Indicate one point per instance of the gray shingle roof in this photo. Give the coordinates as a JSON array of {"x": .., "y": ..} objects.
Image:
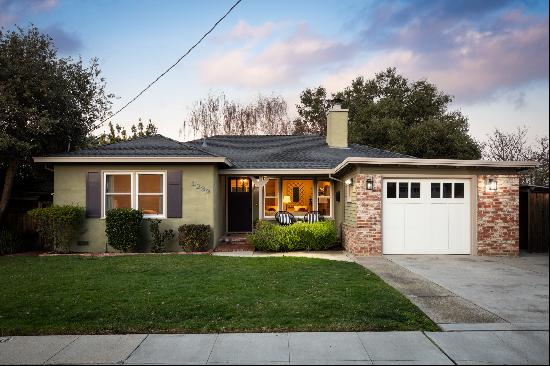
[
  {"x": 149, "y": 146},
  {"x": 286, "y": 152}
]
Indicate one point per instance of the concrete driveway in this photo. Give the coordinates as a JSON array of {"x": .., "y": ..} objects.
[{"x": 514, "y": 289}]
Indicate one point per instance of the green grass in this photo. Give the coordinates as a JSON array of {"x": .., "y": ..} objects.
[{"x": 196, "y": 294}]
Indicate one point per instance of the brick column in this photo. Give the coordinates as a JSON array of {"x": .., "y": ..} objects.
[
  {"x": 364, "y": 237},
  {"x": 498, "y": 216}
]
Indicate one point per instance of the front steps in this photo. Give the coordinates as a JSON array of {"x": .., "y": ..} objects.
[{"x": 234, "y": 243}]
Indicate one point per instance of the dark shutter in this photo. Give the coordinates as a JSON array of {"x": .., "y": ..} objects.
[
  {"x": 93, "y": 194},
  {"x": 173, "y": 199}
]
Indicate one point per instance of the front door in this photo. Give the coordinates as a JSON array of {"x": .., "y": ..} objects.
[{"x": 239, "y": 204}]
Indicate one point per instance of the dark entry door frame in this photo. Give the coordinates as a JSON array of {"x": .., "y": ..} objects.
[{"x": 239, "y": 204}]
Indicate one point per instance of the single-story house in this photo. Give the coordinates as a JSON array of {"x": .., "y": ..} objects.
[{"x": 381, "y": 201}]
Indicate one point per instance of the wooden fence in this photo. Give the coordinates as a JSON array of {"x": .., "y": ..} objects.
[{"x": 534, "y": 219}]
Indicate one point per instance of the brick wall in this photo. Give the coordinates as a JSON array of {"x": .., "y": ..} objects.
[
  {"x": 364, "y": 236},
  {"x": 498, "y": 216}
]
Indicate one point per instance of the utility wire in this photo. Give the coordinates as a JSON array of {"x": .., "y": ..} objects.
[{"x": 173, "y": 65}]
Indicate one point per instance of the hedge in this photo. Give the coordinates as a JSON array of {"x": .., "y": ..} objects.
[
  {"x": 194, "y": 237},
  {"x": 122, "y": 226},
  {"x": 299, "y": 236},
  {"x": 58, "y": 225}
]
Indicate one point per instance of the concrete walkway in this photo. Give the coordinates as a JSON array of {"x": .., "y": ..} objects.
[{"x": 527, "y": 347}]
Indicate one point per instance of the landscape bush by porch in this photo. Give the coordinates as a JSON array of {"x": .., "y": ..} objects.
[
  {"x": 9, "y": 241},
  {"x": 299, "y": 236},
  {"x": 194, "y": 237},
  {"x": 122, "y": 226},
  {"x": 58, "y": 225}
]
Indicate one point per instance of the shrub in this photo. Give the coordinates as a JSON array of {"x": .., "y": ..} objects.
[
  {"x": 194, "y": 237},
  {"x": 299, "y": 236},
  {"x": 58, "y": 226},
  {"x": 122, "y": 226},
  {"x": 9, "y": 241},
  {"x": 157, "y": 237}
]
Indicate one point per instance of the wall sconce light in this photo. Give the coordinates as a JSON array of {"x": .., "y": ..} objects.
[
  {"x": 491, "y": 184},
  {"x": 370, "y": 184},
  {"x": 348, "y": 182}
]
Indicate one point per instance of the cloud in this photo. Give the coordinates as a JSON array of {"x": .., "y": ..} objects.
[
  {"x": 469, "y": 49},
  {"x": 276, "y": 62},
  {"x": 11, "y": 11},
  {"x": 245, "y": 31},
  {"x": 66, "y": 42}
]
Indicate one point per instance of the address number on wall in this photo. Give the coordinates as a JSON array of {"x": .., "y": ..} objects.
[{"x": 200, "y": 187}]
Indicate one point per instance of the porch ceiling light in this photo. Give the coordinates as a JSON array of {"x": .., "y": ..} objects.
[{"x": 491, "y": 184}]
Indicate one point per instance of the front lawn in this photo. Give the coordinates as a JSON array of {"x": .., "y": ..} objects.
[{"x": 185, "y": 293}]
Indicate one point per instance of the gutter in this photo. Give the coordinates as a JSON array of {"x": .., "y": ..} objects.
[
  {"x": 437, "y": 162},
  {"x": 131, "y": 159}
]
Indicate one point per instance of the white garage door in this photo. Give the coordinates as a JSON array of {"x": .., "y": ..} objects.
[{"x": 426, "y": 216}]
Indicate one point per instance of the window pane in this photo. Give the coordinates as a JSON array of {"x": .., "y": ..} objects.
[
  {"x": 415, "y": 190},
  {"x": 323, "y": 205},
  {"x": 271, "y": 206},
  {"x": 324, "y": 189},
  {"x": 117, "y": 201},
  {"x": 240, "y": 184},
  {"x": 118, "y": 183},
  {"x": 403, "y": 190},
  {"x": 391, "y": 191},
  {"x": 297, "y": 196},
  {"x": 459, "y": 190},
  {"x": 436, "y": 190},
  {"x": 447, "y": 190},
  {"x": 271, "y": 188},
  {"x": 150, "y": 204},
  {"x": 150, "y": 183}
]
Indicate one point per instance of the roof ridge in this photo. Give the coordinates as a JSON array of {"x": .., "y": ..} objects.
[{"x": 187, "y": 144}]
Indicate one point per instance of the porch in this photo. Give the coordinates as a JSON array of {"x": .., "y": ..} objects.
[{"x": 251, "y": 198}]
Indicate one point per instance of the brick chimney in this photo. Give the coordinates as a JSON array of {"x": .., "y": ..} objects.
[{"x": 337, "y": 126}]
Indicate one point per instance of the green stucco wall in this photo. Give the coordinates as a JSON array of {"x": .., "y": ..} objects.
[{"x": 198, "y": 207}]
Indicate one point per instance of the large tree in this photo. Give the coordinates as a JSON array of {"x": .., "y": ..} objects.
[
  {"x": 514, "y": 146},
  {"x": 48, "y": 103},
  {"x": 118, "y": 133},
  {"x": 215, "y": 114},
  {"x": 391, "y": 112}
]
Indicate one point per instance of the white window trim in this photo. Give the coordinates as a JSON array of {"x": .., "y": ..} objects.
[
  {"x": 134, "y": 186},
  {"x": 163, "y": 193},
  {"x": 278, "y": 196},
  {"x": 330, "y": 196}
]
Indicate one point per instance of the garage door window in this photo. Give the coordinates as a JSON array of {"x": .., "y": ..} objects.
[
  {"x": 447, "y": 190},
  {"x": 415, "y": 190},
  {"x": 391, "y": 190},
  {"x": 436, "y": 190},
  {"x": 459, "y": 190},
  {"x": 403, "y": 190}
]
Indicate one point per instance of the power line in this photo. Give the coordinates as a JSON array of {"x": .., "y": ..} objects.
[{"x": 173, "y": 65}]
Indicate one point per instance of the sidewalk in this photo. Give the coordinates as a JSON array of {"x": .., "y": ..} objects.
[{"x": 445, "y": 348}]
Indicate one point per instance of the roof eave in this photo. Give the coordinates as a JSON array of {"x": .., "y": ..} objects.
[
  {"x": 132, "y": 159},
  {"x": 437, "y": 162}
]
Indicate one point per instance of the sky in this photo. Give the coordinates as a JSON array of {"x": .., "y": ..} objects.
[{"x": 491, "y": 55}]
